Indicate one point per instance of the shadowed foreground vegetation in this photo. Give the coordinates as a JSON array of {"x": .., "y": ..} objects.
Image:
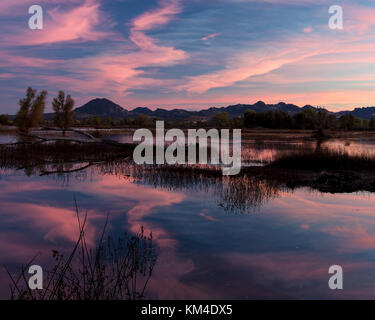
[
  {"x": 333, "y": 171},
  {"x": 324, "y": 159},
  {"x": 116, "y": 269},
  {"x": 59, "y": 156}
]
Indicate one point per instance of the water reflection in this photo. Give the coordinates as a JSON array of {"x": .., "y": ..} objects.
[
  {"x": 283, "y": 249},
  {"x": 234, "y": 194},
  {"x": 263, "y": 150}
]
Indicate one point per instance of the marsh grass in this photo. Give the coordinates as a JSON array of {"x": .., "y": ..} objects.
[
  {"x": 116, "y": 269},
  {"x": 324, "y": 159}
]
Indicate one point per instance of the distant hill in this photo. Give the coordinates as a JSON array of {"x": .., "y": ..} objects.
[
  {"x": 364, "y": 113},
  {"x": 108, "y": 109},
  {"x": 101, "y": 108}
]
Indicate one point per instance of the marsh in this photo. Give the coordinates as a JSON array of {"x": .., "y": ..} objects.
[{"x": 245, "y": 237}]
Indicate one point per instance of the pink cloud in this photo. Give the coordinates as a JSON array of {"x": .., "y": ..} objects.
[
  {"x": 117, "y": 71},
  {"x": 157, "y": 17},
  {"x": 15, "y": 61},
  {"x": 210, "y": 36},
  {"x": 308, "y": 29},
  {"x": 312, "y": 51},
  {"x": 80, "y": 23},
  {"x": 359, "y": 19},
  {"x": 246, "y": 65},
  {"x": 6, "y": 75},
  {"x": 20, "y": 7},
  {"x": 154, "y": 18},
  {"x": 207, "y": 217},
  {"x": 287, "y": 2}
]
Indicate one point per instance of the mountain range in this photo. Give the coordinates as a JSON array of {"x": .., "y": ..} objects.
[{"x": 107, "y": 109}]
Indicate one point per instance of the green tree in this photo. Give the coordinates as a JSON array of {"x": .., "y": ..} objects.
[
  {"x": 31, "y": 110},
  {"x": 220, "y": 120},
  {"x": 321, "y": 119},
  {"x": 143, "y": 120},
  {"x": 5, "y": 120},
  {"x": 64, "y": 113},
  {"x": 282, "y": 119},
  {"x": 312, "y": 118},
  {"x": 347, "y": 122},
  {"x": 238, "y": 122},
  {"x": 305, "y": 119},
  {"x": 372, "y": 123},
  {"x": 111, "y": 122},
  {"x": 96, "y": 121},
  {"x": 250, "y": 119}
]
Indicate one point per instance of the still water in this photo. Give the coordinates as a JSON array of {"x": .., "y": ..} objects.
[
  {"x": 280, "y": 248},
  {"x": 226, "y": 239}
]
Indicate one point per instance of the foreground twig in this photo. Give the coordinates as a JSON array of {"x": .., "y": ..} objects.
[{"x": 113, "y": 270}]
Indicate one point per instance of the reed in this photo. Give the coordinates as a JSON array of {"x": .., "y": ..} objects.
[
  {"x": 324, "y": 159},
  {"x": 115, "y": 269}
]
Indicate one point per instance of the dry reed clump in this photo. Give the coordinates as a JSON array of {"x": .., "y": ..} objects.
[
  {"x": 324, "y": 159},
  {"x": 116, "y": 269}
]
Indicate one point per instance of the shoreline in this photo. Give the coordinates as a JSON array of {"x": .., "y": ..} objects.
[{"x": 256, "y": 133}]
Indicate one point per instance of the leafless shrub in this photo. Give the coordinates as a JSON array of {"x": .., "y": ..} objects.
[{"x": 116, "y": 269}]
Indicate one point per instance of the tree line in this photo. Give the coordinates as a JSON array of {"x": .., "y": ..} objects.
[
  {"x": 32, "y": 107},
  {"x": 305, "y": 119}
]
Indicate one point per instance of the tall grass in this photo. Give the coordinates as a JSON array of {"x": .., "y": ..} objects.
[{"x": 324, "y": 159}]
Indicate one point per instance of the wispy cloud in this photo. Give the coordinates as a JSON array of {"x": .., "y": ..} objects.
[
  {"x": 120, "y": 71},
  {"x": 113, "y": 70},
  {"x": 317, "y": 49},
  {"x": 210, "y": 36},
  {"x": 19, "y": 7},
  {"x": 245, "y": 65},
  {"x": 308, "y": 29},
  {"x": 79, "y": 23},
  {"x": 183, "y": 52}
]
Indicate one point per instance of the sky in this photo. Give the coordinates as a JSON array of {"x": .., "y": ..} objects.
[{"x": 190, "y": 54}]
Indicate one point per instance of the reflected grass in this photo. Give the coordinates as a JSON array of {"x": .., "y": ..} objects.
[{"x": 309, "y": 165}]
